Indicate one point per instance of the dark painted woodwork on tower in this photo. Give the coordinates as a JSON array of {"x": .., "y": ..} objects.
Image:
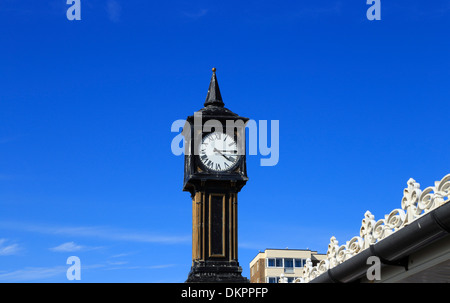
[{"x": 214, "y": 196}]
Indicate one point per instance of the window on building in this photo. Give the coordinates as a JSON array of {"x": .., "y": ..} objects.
[
  {"x": 274, "y": 262},
  {"x": 278, "y": 262},
  {"x": 289, "y": 263},
  {"x": 299, "y": 263},
  {"x": 272, "y": 279}
]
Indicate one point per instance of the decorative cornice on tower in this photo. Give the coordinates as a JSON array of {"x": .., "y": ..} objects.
[{"x": 214, "y": 97}]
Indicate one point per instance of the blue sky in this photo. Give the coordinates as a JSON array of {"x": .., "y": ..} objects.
[{"x": 86, "y": 107}]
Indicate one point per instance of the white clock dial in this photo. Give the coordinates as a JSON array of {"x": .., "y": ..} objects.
[{"x": 218, "y": 152}]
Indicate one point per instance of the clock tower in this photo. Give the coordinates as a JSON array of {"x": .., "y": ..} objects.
[{"x": 214, "y": 173}]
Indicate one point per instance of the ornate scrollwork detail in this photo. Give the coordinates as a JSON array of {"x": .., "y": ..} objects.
[
  {"x": 355, "y": 245},
  {"x": 314, "y": 273},
  {"x": 341, "y": 254},
  {"x": 323, "y": 266},
  {"x": 396, "y": 219},
  {"x": 381, "y": 230},
  {"x": 410, "y": 199},
  {"x": 414, "y": 204},
  {"x": 427, "y": 201},
  {"x": 307, "y": 270},
  {"x": 367, "y": 229},
  {"x": 333, "y": 248}
]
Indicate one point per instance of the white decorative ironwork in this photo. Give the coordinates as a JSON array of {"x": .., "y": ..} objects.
[{"x": 415, "y": 203}]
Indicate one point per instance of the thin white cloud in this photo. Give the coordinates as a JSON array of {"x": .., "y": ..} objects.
[
  {"x": 105, "y": 233},
  {"x": 7, "y": 250},
  {"x": 122, "y": 255},
  {"x": 118, "y": 266},
  {"x": 117, "y": 263},
  {"x": 67, "y": 247},
  {"x": 113, "y": 9},
  {"x": 33, "y": 274},
  {"x": 71, "y": 247},
  {"x": 161, "y": 266},
  {"x": 251, "y": 245},
  {"x": 196, "y": 14}
]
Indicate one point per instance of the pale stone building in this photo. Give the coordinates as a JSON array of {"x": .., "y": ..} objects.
[{"x": 268, "y": 266}]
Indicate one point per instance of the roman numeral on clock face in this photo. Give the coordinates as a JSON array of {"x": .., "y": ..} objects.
[{"x": 218, "y": 152}]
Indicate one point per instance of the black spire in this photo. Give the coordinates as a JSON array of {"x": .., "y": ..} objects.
[{"x": 214, "y": 97}]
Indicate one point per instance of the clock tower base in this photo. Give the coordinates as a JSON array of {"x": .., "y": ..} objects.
[{"x": 216, "y": 272}]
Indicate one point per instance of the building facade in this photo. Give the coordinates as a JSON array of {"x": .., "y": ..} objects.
[{"x": 268, "y": 266}]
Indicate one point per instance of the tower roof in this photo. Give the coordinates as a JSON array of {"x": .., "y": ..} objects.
[
  {"x": 214, "y": 106},
  {"x": 213, "y": 97}
]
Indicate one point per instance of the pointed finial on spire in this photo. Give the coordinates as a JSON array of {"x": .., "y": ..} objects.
[{"x": 213, "y": 97}]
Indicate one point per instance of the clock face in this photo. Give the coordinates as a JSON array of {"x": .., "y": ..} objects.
[{"x": 218, "y": 152}]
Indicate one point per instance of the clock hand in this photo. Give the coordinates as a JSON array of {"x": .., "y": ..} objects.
[
  {"x": 228, "y": 151},
  {"x": 215, "y": 149}
]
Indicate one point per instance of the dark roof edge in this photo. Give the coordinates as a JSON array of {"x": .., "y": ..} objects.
[{"x": 423, "y": 231}]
